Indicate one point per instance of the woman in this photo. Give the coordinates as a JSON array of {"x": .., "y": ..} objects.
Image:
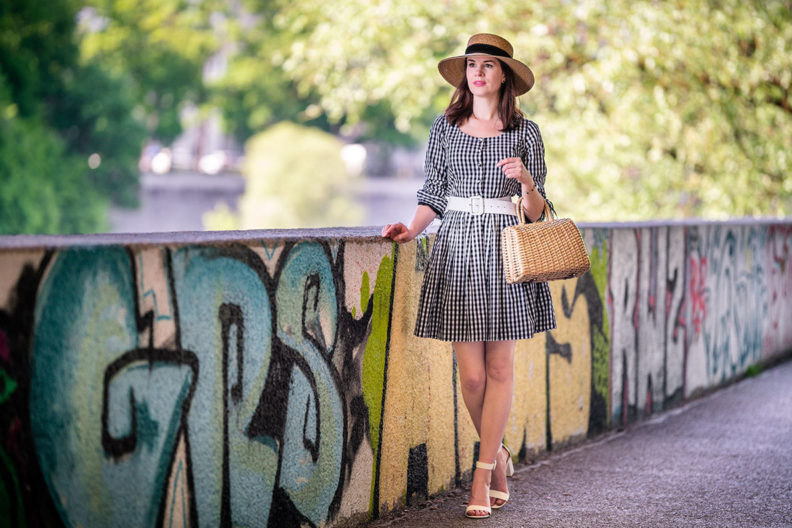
[{"x": 480, "y": 153}]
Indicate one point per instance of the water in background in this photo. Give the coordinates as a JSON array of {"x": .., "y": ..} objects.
[{"x": 177, "y": 201}]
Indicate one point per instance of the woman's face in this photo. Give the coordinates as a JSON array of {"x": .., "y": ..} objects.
[{"x": 484, "y": 75}]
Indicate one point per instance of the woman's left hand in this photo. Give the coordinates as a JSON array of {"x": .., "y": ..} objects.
[{"x": 514, "y": 168}]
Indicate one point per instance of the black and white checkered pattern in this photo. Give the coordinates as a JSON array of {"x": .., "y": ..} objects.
[{"x": 464, "y": 296}]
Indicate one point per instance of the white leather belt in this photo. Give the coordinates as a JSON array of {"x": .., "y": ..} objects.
[{"x": 478, "y": 205}]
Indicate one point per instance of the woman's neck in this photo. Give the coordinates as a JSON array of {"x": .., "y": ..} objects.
[{"x": 485, "y": 109}]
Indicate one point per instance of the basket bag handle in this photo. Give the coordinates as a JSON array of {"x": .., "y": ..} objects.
[{"x": 548, "y": 215}]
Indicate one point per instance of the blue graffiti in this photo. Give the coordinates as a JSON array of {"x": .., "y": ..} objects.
[
  {"x": 247, "y": 383},
  {"x": 95, "y": 441}
]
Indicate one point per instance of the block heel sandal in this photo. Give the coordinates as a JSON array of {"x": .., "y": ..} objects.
[
  {"x": 503, "y": 495},
  {"x": 480, "y": 507}
]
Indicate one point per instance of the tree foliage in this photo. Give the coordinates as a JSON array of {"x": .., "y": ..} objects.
[
  {"x": 95, "y": 116},
  {"x": 295, "y": 178},
  {"x": 44, "y": 188},
  {"x": 46, "y": 184},
  {"x": 159, "y": 47},
  {"x": 254, "y": 93},
  {"x": 258, "y": 92},
  {"x": 37, "y": 50},
  {"x": 648, "y": 109}
]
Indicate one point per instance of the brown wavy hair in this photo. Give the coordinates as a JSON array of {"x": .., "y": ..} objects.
[{"x": 461, "y": 106}]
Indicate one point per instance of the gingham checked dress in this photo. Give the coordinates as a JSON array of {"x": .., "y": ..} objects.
[{"x": 464, "y": 296}]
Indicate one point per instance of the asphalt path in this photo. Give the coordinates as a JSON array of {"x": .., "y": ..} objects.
[{"x": 722, "y": 460}]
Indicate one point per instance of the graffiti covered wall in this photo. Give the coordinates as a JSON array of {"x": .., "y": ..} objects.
[{"x": 276, "y": 381}]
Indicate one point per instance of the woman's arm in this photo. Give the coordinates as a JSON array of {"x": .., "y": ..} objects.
[
  {"x": 536, "y": 171},
  {"x": 421, "y": 220},
  {"x": 432, "y": 199},
  {"x": 533, "y": 203}
]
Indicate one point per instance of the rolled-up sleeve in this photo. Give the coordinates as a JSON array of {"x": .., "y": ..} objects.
[
  {"x": 433, "y": 192},
  {"x": 534, "y": 157}
]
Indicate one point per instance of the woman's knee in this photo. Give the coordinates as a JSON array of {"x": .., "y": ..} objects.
[
  {"x": 473, "y": 382},
  {"x": 500, "y": 371}
]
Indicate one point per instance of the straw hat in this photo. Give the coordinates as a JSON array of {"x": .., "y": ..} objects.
[{"x": 453, "y": 68}]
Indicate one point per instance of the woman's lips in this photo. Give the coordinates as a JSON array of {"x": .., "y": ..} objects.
[{"x": 479, "y": 83}]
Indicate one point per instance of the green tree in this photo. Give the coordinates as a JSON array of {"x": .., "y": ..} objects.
[
  {"x": 95, "y": 116},
  {"x": 295, "y": 178},
  {"x": 45, "y": 179},
  {"x": 648, "y": 109},
  {"x": 257, "y": 92},
  {"x": 159, "y": 47},
  {"x": 44, "y": 188},
  {"x": 57, "y": 112},
  {"x": 37, "y": 50}
]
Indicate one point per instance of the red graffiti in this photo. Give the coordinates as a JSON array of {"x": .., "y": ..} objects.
[{"x": 698, "y": 300}]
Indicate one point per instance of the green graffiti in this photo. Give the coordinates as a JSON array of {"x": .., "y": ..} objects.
[
  {"x": 7, "y": 385},
  {"x": 601, "y": 336},
  {"x": 753, "y": 370},
  {"x": 374, "y": 356},
  {"x": 364, "y": 292}
]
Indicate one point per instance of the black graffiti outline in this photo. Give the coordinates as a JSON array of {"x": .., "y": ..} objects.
[
  {"x": 349, "y": 334},
  {"x": 344, "y": 366},
  {"x": 118, "y": 447},
  {"x": 17, "y": 323},
  {"x": 229, "y": 315},
  {"x": 287, "y": 359}
]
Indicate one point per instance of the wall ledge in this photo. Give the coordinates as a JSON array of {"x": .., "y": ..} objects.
[{"x": 358, "y": 234}]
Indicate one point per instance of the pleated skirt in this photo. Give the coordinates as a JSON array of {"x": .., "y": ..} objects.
[{"x": 464, "y": 295}]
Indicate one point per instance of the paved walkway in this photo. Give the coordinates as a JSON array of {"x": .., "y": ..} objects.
[{"x": 723, "y": 460}]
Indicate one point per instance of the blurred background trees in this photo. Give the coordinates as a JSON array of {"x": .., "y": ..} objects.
[
  {"x": 46, "y": 185},
  {"x": 82, "y": 86},
  {"x": 287, "y": 188},
  {"x": 648, "y": 109}
]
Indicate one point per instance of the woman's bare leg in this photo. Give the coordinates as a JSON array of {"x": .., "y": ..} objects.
[
  {"x": 499, "y": 358},
  {"x": 487, "y": 380},
  {"x": 473, "y": 380}
]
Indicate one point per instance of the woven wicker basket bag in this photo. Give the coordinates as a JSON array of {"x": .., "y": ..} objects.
[{"x": 543, "y": 251}]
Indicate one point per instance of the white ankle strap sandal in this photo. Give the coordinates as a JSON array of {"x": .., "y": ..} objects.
[
  {"x": 480, "y": 507},
  {"x": 502, "y": 495}
]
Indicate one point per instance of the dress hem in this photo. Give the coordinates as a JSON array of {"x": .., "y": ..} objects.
[{"x": 476, "y": 340}]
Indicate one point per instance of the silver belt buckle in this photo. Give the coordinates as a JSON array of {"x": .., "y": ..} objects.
[{"x": 477, "y": 205}]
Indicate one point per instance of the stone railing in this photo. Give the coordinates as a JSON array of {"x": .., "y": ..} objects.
[{"x": 220, "y": 379}]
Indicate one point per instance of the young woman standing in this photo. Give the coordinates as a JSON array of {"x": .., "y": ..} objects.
[{"x": 481, "y": 152}]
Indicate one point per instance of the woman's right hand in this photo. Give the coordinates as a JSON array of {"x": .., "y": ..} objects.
[
  {"x": 397, "y": 232},
  {"x": 401, "y": 233}
]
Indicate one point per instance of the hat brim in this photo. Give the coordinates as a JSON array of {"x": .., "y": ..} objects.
[{"x": 453, "y": 70}]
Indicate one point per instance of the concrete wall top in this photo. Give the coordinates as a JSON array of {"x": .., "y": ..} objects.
[{"x": 360, "y": 234}]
